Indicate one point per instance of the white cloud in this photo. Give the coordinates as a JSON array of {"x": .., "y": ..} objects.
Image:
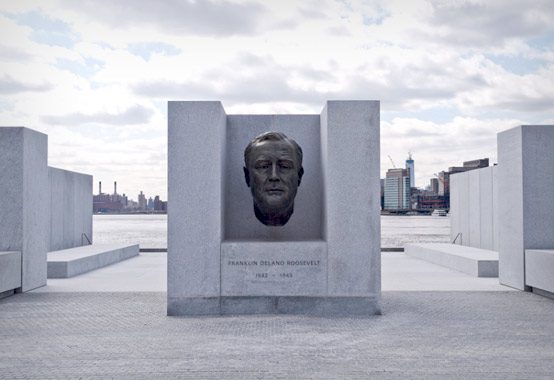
[
  {"x": 447, "y": 68},
  {"x": 131, "y": 116}
]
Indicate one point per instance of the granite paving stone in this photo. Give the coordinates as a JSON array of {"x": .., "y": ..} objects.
[{"x": 437, "y": 334}]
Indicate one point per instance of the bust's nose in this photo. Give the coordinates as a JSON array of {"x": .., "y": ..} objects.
[{"x": 273, "y": 175}]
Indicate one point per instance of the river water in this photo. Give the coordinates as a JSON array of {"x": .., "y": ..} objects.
[{"x": 150, "y": 231}]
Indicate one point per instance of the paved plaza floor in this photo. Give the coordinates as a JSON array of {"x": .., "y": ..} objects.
[{"x": 436, "y": 323}]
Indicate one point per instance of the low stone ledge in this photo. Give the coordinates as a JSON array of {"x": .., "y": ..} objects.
[
  {"x": 473, "y": 261},
  {"x": 74, "y": 261},
  {"x": 317, "y": 306}
]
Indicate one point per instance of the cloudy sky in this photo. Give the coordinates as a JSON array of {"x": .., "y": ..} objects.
[{"x": 96, "y": 75}]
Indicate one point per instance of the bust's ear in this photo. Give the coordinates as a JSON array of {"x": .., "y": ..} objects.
[
  {"x": 246, "y": 176},
  {"x": 300, "y": 174}
]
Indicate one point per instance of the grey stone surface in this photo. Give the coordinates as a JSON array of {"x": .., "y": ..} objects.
[
  {"x": 74, "y": 261},
  {"x": 350, "y": 152},
  {"x": 10, "y": 270},
  {"x": 274, "y": 268},
  {"x": 341, "y": 156},
  {"x": 464, "y": 211},
  {"x": 240, "y": 221},
  {"x": 25, "y": 189},
  {"x": 196, "y": 154},
  {"x": 473, "y": 261},
  {"x": 317, "y": 306},
  {"x": 539, "y": 269},
  {"x": 148, "y": 273},
  {"x": 495, "y": 211},
  {"x": 473, "y": 208},
  {"x": 422, "y": 335},
  {"x": 486, "y": 208},
  {"x": 70, "y": 208},
  {"x": 455, "y": 209},
  {"x": 525, "y": 207}
]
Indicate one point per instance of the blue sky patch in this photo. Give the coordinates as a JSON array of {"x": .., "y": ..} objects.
[
  {"x": 46, "y": 30},
  {"x": 516, "y": 64},
  {"x": 543, "y": 42},
  {"x": 84, "y": 69},
  {"x": 146, "y": 49}
]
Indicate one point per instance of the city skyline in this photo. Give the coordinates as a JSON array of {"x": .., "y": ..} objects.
[{"x": 96, "y": 76}]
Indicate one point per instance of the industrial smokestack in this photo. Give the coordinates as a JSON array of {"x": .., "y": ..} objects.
[
  {"x": 99, "y": 187},
  {"x": 115, "y": 187}
]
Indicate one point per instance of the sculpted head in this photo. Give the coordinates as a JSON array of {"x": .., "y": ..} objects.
[{"x": 273, "y": 171}]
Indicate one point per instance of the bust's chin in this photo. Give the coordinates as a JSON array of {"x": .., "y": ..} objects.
[{"x": 273, "y": 217}]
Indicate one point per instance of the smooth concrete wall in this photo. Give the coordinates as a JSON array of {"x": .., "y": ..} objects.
[
  {"x": 525, "y": 191},
  {"x": 25, "y": 189},
  {"x": 70, "y": 208},
  {"x": 473, "y": 208}
]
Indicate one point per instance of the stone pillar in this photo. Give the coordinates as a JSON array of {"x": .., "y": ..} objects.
[
  {"x": 525, "y": 190},
  {"x": 25, "y": 190},
  {"x": 351, "y": 166},
  {"x": 196, "y": 149}
]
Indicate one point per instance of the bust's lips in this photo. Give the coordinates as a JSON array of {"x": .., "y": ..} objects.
[{"x": 275, "y": 191}]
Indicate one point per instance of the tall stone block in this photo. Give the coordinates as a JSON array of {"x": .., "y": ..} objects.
[
  {"x": 196, "y": 149},
  {"x": 473, "y": 211},
  {"x": 525, "y": 206},
  {"x": 25, "y": 190},
  {"x": 350, "y": 155},
  {"x": 70, "y": 208}
]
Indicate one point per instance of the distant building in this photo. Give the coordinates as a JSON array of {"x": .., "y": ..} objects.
[
  {"x": 410, "y": 166},
  {"x": 397, "y": 189},
  {"x": 108, "y": 202},
  {"x": 159, "y": 205},
  {"x": 142, "y": 201},
  {"x": 476, "y": 164},
  {"x": 432, "y": 202},
  {"x": 444, "y": 176},
  {"x": 434, "y": 186}
]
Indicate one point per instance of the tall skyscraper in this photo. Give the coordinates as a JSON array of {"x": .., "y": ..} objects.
[
  {"x": 410, "y": 167},
  {"x": 142, "y": 201},
  {"x": 397, "y": 189}
]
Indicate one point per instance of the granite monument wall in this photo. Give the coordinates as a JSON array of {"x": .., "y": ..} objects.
[
  {"x": 24, "y": 216},
  {"x": 324, "y": 260},
  {"x": 525, "y": 202},
  {"x": 70, "y": 206},
  {"x": 474, "y": 208}
]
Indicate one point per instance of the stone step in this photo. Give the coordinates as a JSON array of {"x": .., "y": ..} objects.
[
  {"x": 539, "y": 269},
  {"x": 74, "y": 261},
  {"x": 10, "y": 270},
  {"x": 473, "y": 261}
]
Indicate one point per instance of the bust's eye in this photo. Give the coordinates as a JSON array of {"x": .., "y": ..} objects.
[
  {"x": 262, "y": 165},
  {"x": 285, "y": 165}
]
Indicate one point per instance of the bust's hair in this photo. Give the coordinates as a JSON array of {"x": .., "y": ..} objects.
[{"x": 273, "y": 136}]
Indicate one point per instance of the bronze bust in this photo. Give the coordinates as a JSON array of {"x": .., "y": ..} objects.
[{"x": 273, "y": 171}]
